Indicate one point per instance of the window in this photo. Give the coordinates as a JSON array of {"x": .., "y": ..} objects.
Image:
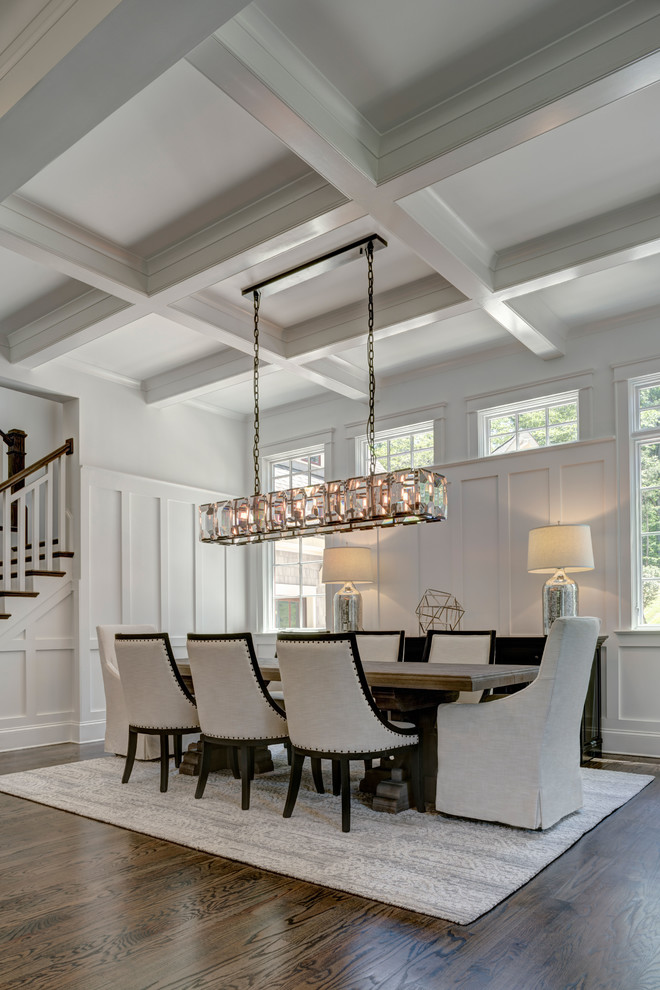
[
  {"x": 646, "y": 499},
  {"x": 529, "y": 425},
  {"x": 295, "y": 593},
  {"x": 397, "y": 450}
]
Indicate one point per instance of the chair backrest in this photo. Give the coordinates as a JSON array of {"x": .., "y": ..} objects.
[
  {"x": 447, "y": 646},
  {"x": 329, "y": 705},
  {"x": 106, "y": 640},
  {"x": 155, "y": 694},
  {"x": 232, "y": 698},
  {"x": 377, "y": 645},
  {"x": 557, "y": 695}
]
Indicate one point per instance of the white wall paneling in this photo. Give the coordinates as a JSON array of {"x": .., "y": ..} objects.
[{"x": 143, "y": 562}]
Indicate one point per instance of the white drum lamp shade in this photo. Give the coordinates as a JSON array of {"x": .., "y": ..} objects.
[
  {"x": 347, "y": 566},
  {"x": 558, "y": 550}
]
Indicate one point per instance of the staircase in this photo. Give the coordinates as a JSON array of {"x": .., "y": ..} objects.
[{"x": 34, "y": 540}]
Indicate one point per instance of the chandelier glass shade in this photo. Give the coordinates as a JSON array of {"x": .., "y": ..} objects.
[{"x": 390, "y": 498}]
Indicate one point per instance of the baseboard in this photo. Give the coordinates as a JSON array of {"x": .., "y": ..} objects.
[{"x": 631, "y": 742}]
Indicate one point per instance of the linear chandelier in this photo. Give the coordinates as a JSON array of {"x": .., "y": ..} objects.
[{"x": 389, "y": 498}]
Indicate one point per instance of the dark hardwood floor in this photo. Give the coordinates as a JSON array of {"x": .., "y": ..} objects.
[{"x": 88, "y": 906}]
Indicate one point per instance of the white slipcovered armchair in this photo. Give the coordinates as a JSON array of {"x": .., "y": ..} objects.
[
  {"x": 517, "y": 760},
  {"x": 116, "y": 717}
]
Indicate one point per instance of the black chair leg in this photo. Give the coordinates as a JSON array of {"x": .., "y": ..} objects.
[
  {"x": 368, "y": 764},
  {"x": 204, "y": 765},
  {"x": 251, "y": 761},
  {"x": 164, "y": 761},
  {"x": 130, "y": 755},
  {"x": 336, "y": 778},
  {"x": 244, "y": 762},
  {"x": 345, "y": 796},
  {"x": 233, "y": 756},
  {"x": 317, "y": 775},
  {"x": 287, "y": 746},
  {"x": 178, "y": 750},
  {"x": 294, "y": 783}
]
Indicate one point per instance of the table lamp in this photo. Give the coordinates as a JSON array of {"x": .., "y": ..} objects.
[
  {"x": 346, "y": 566},
  {"x": 556, "y": 550}
]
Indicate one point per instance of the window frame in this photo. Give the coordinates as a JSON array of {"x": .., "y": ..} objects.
[
  {"x": 409, "y": 430},
  {"x": 543, "y": 402},
  {"x": 639, "y": 437},
  {"x": 268, "y": 549}
]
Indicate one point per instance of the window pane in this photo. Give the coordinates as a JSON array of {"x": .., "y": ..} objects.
[
  {"x": 503, "y": 424},
  {"x": 380, "y": 449},
  {"x": 500, "y": 445},
  {"x": 651, "y": 602},
  {"x": 528, "y": 420},
  {"x": 650, "y": 464},
  {"x": 649, "y": 396},
  {"x": 649, "y": 419},
  {"x": 423, "y": 440},
  {"x": 537, "y": 438},
  {"x": 562, "y": 414},
  {"x": 563, "y": 434},
  {"x": 399, "y": 445},
  {"x": 422, "y": 458},
  {"x": 400, "y": 462}
]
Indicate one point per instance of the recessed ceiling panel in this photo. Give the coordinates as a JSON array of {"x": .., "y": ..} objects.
[
  {"x": 169, "y": 162},
  {"x": 28, "y": 290},
  {"x": 275, "y": 389},
  {"x": 393, "y": 60},
  {"x": 394, "y": 266},
  {"x": 434, "y": 344},
  {"x": 149, "y": 346},
  {"x": 608, "y": 294},
  {"x": 596, "y": 163}
]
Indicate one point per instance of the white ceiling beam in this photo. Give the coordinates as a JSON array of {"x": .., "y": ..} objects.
[
  {"x": 129, "y": 48},
  {"x": 197, "y": 378},
  {"x": 239, "y": 81}
]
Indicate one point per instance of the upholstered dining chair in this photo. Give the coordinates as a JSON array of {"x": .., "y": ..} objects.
[
  {"x": 235, "y": 709},
  {"x": 158, "y": 703},
  {"x": 517, "y": 760},
  {"x": 386, "y": 645},
  {"x": 116, "y": 717},
  {"x": 332, "y": 715},
  {"x": 450, "y": 646}
]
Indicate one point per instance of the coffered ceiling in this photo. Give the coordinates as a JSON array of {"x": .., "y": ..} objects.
[{"x": 156, "y": 158}]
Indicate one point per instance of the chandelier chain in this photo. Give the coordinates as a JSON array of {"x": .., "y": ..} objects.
[
  {"x": 255, "y": 381},
  {"x": 371, "y": 427}
]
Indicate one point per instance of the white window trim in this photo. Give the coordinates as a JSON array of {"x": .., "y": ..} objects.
[
  {"x": 582, "y": 382},
  {"x": 638, "y": 437},
  {"x": 401, "y": 422},
  {"x": 361, "y": 456},
  {"x": 524, "y": 405}
]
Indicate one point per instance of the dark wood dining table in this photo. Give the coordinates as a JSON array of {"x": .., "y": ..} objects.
[{"x": 413, "y": 690}]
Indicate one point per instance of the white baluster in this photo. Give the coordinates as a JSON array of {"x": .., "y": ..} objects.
[
  {"x": 61, "y": 506},
  {"x": 6, "y": 540},
  {"x": 48, "y": 534}
]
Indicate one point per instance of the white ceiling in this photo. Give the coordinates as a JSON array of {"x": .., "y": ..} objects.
[{"x": 158, "y": 158}]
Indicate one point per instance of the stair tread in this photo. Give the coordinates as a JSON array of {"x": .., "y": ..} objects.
[
  {"x": 19, "y": 594},
  {"x": 35, "y": 573}
]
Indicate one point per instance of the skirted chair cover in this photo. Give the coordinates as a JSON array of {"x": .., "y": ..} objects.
[
  {"x": 235, "y": 709},
  {"x": 447, "y": 646},
  {"x": 116, "y": 717},
  {"x": 517, "y": 760},
  {"x": 331, "y": 713},
  {"x": 157, "y": 700}
]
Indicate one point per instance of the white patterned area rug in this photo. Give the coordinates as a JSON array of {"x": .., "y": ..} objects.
[{"x": 444, "y": 867}]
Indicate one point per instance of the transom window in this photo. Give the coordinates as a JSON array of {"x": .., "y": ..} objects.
[
  {"x": 397, "y": 450},
  {"x": 296, "y": 597},
  {"x": 529, "y": 425}
]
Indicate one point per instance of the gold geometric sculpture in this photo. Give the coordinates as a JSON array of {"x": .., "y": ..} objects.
[{"x": 439, "y": 610}]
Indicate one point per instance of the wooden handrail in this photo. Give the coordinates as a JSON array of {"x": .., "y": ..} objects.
[{"x": 66, "y": 448}]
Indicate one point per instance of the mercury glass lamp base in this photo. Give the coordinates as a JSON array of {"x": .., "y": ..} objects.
[
  {"x": 560, "y": 598},
  {"x": 347, "y": 609}
]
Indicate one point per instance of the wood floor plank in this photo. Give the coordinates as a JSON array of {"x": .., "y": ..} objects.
[{"x": 91, "y": 906}]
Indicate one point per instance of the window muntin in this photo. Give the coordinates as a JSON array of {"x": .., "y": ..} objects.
[
  {"x": 647, "y": 407},
  {"x": 295, "y": 594},
  {"x": 397, "y": 450},
  {"x": 530, "y": 425}
]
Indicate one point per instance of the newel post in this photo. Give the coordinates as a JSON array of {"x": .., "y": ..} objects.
[{"x": 15, "y": 440}]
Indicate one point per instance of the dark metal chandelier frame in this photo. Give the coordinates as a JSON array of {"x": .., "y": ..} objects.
[{"x": 389, "y": 498}]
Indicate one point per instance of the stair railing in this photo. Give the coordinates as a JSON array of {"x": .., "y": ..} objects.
[{"x": 39, "y": 520}]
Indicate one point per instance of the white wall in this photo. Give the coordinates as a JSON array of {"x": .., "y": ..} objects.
[
  {"x": 138, "y": 474},
  {"x": 480, "y": 553}
]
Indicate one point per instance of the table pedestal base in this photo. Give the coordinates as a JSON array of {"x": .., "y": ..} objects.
[{"x": 221, "y": 759}]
